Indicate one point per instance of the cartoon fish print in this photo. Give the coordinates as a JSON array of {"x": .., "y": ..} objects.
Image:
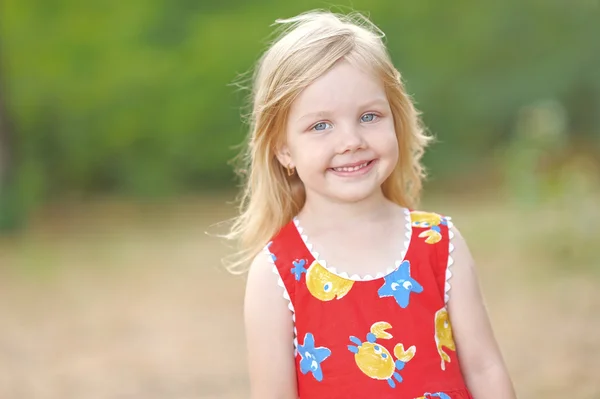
[
  {"x": 431, "y": 222},
  {"x": 399, "y": 284},
  {"x": 443, "y": 335},
  {"x": 325, "y": 285},
  {"x": 311, "y": 357},
  {"x": 375, "y": 361}
]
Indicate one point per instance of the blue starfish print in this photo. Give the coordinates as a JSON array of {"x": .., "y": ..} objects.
[
  {"x": 298, "y": 268},
  {"x": 311, "y": 357},
  {"x": 399, "y": 284}
]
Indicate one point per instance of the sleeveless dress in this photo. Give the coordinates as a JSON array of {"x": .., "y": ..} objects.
[{"x": 387, "y": 336}]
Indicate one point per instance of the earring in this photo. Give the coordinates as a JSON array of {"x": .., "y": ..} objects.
[{"x": 290, "y": 170}]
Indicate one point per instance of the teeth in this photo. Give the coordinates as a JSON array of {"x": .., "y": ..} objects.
[{"x": 351, "y": 169}]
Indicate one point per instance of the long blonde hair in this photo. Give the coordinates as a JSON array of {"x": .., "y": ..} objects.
[{"x": 308, "y": 46}]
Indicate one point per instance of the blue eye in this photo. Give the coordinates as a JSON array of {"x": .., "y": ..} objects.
[
  {"x": 368, "y": 117},
  {"x": 321, "y": 126}
]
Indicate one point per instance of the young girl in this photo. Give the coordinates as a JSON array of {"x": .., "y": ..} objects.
[{"x": 356, "y": 294}]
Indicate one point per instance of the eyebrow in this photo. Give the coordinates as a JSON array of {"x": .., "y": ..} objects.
[{"x": 368, "y": 104}]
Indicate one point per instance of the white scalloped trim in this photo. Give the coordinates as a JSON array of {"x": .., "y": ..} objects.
[
  {"x": 286, "y": 295},
  {"x": 357, "y": 277},
  {"x": 447, "y": 286}
]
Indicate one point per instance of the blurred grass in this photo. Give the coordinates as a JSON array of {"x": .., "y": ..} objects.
[{"x": 116, "y": 299}]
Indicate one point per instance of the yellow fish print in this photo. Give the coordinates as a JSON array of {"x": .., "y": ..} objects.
[
  {"x": 324, "y": 285},
  {"x": 375, "y": 361},
  {"x": 443, "y": 335}
]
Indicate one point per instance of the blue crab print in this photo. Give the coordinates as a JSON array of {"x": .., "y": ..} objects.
[
  {"x": 400, "y": 284},
  {"x": 312, "y": 357},
  {"x": 299, "y": 268}
]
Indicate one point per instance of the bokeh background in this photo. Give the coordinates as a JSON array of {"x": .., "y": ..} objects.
[{"x": 117, "y": 124}]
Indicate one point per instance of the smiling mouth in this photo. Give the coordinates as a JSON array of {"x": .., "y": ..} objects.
[{"x": 352, "y": 168}]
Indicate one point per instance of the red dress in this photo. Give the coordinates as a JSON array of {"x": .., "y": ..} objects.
[{"x": 387, "y": 336}]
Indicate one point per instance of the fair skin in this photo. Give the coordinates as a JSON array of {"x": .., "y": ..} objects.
[{"x": 343, "y": 119}]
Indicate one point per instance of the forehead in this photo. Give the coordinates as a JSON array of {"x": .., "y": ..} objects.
[{"x": 344, "y": 86}]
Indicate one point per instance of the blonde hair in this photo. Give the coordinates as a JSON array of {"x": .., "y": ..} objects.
[{"x": 308, "y": 46}]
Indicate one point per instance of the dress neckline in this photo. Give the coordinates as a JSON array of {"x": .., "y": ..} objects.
[{"x": 357, "y": 277}]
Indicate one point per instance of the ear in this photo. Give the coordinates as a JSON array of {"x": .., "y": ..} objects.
[{"x": 282, "y": 152}]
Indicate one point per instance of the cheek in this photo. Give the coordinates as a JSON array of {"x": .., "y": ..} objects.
[
  {"x": 392, "y": 147},
  {"x": 311, "y": 147},
  {"x": 387, "y": 142},
  {"x": 296, "y": 148},
  {"x": 310, "y": 155}
]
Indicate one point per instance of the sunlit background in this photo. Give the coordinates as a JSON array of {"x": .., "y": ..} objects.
[{"x": 118, "y": 120}]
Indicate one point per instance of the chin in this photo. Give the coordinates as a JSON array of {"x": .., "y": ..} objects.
[
  {"x": 354, "y": 194},
  {"x": 348, "y": 191}
]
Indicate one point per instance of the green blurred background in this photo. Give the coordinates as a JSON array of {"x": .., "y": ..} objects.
[{"x": 117, "y": 124}]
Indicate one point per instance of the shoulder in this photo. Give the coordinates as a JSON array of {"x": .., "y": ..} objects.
[
  {"x": 462, "y": 275},
  {"x": 265, "y": 301},
  {"x": 269, "y": 329},
  {"x": 264, "y": 287},
  {"x": 261, "y": 276},
  {"x": 461, "y": 254}
]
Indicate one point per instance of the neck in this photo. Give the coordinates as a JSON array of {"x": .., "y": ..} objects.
[{"x": 320, "y": 211}]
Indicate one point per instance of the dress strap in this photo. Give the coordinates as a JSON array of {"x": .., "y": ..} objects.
[
  {"x": 290, "y": 259},
  {"x": 434, "y": 235}
]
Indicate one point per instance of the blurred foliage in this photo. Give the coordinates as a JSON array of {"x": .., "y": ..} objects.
[
  {"x": 136, "y": 98},
  {"x": 547, "y": 178}
]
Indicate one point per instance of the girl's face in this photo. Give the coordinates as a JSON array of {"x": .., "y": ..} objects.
[{"x": 340, "y": 135}]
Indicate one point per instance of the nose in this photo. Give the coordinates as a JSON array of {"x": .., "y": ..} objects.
[{"x": 351, "y": 139}]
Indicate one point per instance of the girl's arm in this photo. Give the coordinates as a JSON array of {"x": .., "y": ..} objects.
[
  {"x": 480, "y": 358},
  {"x": 269, "y": 335}
]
